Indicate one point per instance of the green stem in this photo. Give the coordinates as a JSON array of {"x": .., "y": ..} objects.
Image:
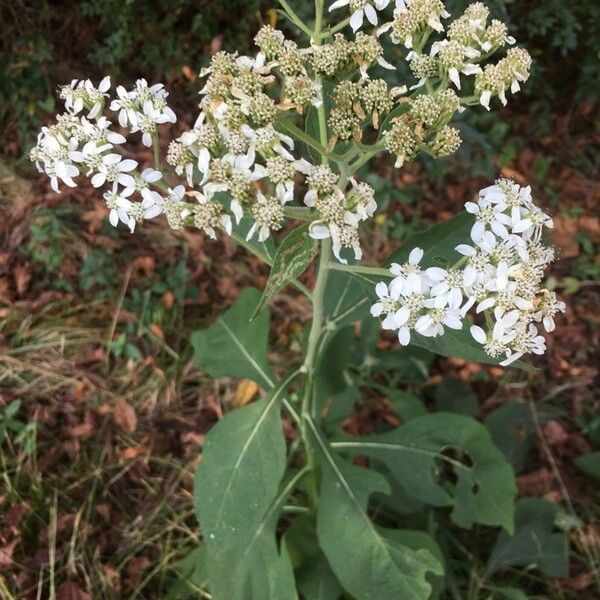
[
  {"x": 365, "y": 158},
  {"x": 298, "y": 212},
  {"x": 291, "y": 13},
  {"x": 377, "y": 271},
  {"x": 156, "y": 151}
]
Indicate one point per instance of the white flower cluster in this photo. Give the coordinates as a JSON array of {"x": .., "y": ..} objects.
[
  {"x": 470, "y": 39},
  {"x": 143, "y": 108},
  {"x": 240, "y": 159},
  {"x": 78, "y": 144},
  {"x": 500, "y": 274}
]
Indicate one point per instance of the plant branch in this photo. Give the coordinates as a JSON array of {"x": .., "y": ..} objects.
[
  {"x": 377, "y": 271},
  {"x": 293, "y": 16}
]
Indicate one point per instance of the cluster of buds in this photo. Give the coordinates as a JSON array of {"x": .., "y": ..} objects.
[
  {"x": 424, "y": 126},
  {"x": 500, "y": 275}
]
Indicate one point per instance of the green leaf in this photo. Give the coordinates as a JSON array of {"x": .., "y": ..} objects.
[
  {"x": 375, "y": 569},
  {"x": 311, "y": 123},
  {"x": 234, "y": 346},
  {"x": 293, "y": 256},
  {"x": 589, "y": 464},
  {"x": 454, "y": 395},
  {"x": 456, "y": 344},
  {"x": 534, "y": 541},
  {"x": 314, "y": 577},
  {"x": 346, "y": 299},
  {"x": 192, "y": 573},
  {"x": 415, "y": 540},
  {"x": 446, "y": 460},
  {"x": 333, "y": 362},
  {"x": 237, "y": 500},
  {"x": 406, "y": 406},
  {"x": 438, "y": 242},
  {"x": 507, "y": 593},
  {"x": 513, "y": 429}
]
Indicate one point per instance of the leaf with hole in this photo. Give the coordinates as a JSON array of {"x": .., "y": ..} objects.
[
  {"x": 235, "y": 346},
  {"x": 445, "y": 459}
]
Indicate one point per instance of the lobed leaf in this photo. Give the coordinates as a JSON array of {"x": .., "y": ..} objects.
[
  {"x": 377, "y": 568},
  {"x": 445, "y": 459},
  {"x": 534, "y": 542}
]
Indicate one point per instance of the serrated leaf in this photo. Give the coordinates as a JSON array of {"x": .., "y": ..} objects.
[
  {"x": 293, "y": 256},
  {"x": 234, "y": 346},
  {"x": 589, "y": 464},
  {"x": 237, "y": 499},
  {"x": 534, "y": 542},
  {"x": 378, "y": 569},
  {"x": 480, "y": 484}
]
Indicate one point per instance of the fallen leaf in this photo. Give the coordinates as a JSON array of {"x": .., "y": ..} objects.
[
  {"x": 124, "y": 416},
  {"x": 563, "y": 235},
  {"x": 246, "y": 390},
  {"x": 6, "y": 553},
  {"x": 168, "y": 299},
  {"x": 537, "y": 483},
  {"x": 157, "y": 331},
  {"x": 71, "y": 591},
  {"x": 22, "y": 276}
]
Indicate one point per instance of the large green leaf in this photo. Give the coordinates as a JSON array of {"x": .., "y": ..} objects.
[
  {"x": 367, "y": 565},
  {"x": 235, "y": 346},
  {"x": 513, "y": 430},
  {"x": 535, "y": 541},
  {"x": 438, "y": 242},
  {"x": 237, "y": 501},
  {"x": 293, "y": 256},
  {"x": 445, "y": 459},
  {"x": 416, "y": 540}
]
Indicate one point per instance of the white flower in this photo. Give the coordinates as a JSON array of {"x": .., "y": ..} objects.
[
  {"x": 446, "y": 283},
  {"x": 439, "y": 313},
  {"x": 79, "y": 94},
  {"x": 488, "y": 215},
  {"x": 115, "y": 170},
  {"x": 119, "y": 205},
  {"x": 409, "y": 275},
  {"x": 387, "y": 303},
  {"x": 361, "y": 9},
  {"x": 152, "y": 202}
]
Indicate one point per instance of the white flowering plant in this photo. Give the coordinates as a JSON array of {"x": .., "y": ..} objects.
[{"x": 277, "y": 146}]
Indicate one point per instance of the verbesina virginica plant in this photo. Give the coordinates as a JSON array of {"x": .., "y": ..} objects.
[{"x": 277, "y": 144}]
